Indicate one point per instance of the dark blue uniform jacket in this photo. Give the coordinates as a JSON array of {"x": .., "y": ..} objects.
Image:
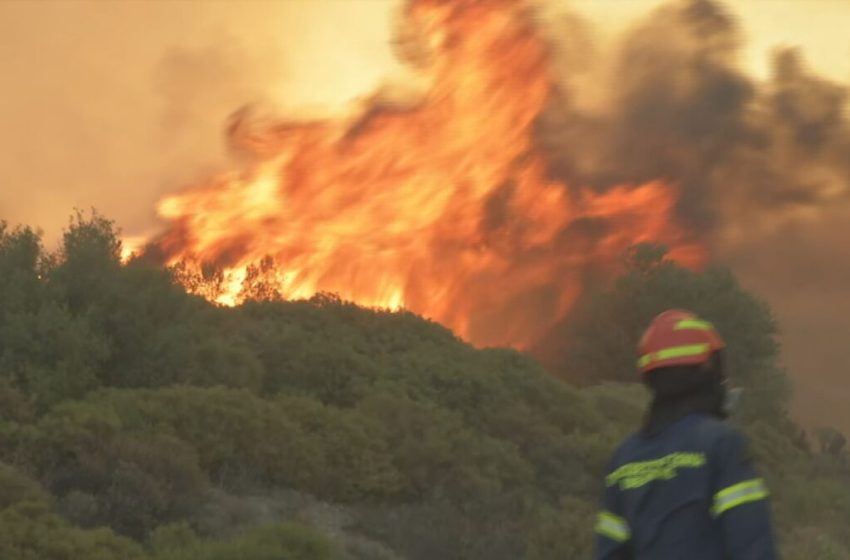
[{"x": 687, "y": 493}]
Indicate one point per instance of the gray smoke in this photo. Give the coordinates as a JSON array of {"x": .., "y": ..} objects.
[
  {"x": 763, "y": 167},
  {"x": 677, "y": 107}
]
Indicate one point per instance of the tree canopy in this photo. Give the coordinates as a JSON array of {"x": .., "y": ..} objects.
[{"x": 138, "y": 421}]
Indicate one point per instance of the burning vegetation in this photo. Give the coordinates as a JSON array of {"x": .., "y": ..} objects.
[{"x": 445, "y": 206}]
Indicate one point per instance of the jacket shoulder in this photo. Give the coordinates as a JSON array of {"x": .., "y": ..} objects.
[
  {"x": 623, "y": 452},
  {"x": 713, "y": 433},
  {"x": 703, "y": 433},
  {"x": 715, "y": 428}
]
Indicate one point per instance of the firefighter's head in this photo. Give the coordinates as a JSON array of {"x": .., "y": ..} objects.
[
  {"x": 681, "y": 356},
  {"x": 677, "y": 338}
]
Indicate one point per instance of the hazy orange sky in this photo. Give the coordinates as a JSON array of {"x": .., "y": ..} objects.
[{"x": 112, "y": 104}]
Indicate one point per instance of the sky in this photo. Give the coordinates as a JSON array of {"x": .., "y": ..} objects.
[
  {"x": 114, "y": 104},
  {"x": 818, "y": 26}
]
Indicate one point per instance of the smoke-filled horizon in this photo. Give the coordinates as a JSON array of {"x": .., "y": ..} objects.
[{"x": 761, "y": 164}]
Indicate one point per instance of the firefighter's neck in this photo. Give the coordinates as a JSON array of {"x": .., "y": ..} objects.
[{"x": 666, "y": 411}]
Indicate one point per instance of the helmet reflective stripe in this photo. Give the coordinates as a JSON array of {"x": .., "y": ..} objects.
[
  {"x": 695, "y": 324},
  {"x": 613, "y": 527},
  {"x": 684, "y": 351},
  {"x": 677, "y": 337},
  {"x": 738, "y": 494}
]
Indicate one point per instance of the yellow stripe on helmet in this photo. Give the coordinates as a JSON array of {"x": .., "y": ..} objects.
[
  {"x": 693, "y": 324},
  {"x": 684, "y": 351}
]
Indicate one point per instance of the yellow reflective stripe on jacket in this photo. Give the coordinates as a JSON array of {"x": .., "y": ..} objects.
[
  {"x": 739, "y": 494},
  {"x": 613, "y": 527},
  {"x": 683, "y": 351},
  {"x": 693, "y": 324},
  {"x": 635, "y": 475}
]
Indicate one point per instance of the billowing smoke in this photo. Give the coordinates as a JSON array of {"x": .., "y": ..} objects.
[
  {"x": 670, "y": 101},
  {"x": 441, "y": 205},
  {"x": 761, "y": 167},
  {"x": 764, "y": 166}
]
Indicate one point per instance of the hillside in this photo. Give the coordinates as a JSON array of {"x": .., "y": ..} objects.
[{"x": 141, "y": 422}]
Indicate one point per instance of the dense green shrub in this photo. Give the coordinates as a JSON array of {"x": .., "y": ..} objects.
[{"x": 140, "y": 422}]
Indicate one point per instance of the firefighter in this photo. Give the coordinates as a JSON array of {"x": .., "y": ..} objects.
[{"x": 683, "y": 487}]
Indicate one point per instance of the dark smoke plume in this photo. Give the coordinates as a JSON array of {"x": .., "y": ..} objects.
[
  {"x": 763, "y": 167},
  {"x": 678, "y": 107}
]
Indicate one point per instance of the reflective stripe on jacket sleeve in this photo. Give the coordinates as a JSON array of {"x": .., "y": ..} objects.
[
  {"x": 739, "y": 494},
  {"x": 613, "y": 527}
]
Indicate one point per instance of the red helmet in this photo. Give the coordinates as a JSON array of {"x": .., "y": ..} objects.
[{"x": 677, "y": 338}]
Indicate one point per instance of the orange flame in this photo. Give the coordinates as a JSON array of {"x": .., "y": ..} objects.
[{"x": 443, "y": 209}]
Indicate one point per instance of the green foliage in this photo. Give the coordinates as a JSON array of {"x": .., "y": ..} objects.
[
  {"x": 607, "y": 326},
  {"x": 15, "y": 487},
  {"x": 28, "y": 531},
  {"x": 831, "y": 442},
  {"x": 46, "y": 352},
  {"x": 88, "y": 260},
  {"x": 20, "y": 267},
  {"x": 275, "y": 542},
  {"x": 140, "y": 422},
  {"x": 810, "y": 542},
  {"x": 563, "y": 532}
]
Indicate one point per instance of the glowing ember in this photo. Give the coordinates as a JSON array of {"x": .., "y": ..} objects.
[{"x": 443, "y": 209}]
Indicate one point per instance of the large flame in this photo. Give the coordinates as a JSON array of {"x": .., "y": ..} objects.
[{"x": 443, "y": 209}]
